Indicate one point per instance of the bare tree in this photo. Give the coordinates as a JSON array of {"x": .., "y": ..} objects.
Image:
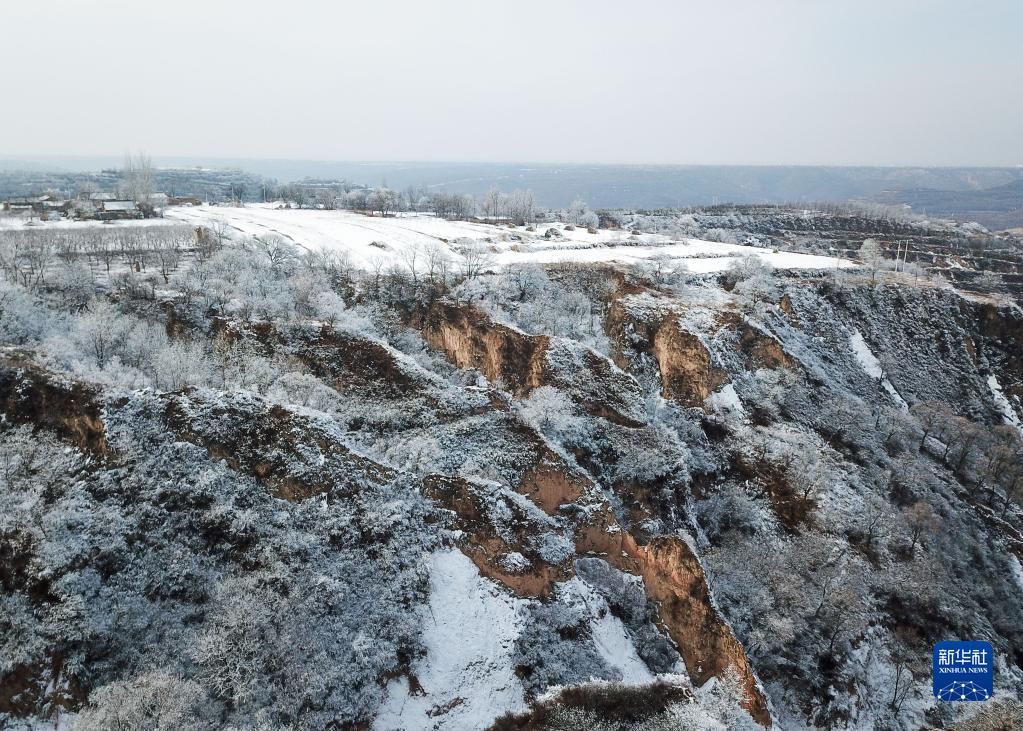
[
  {"x": 277, "y": 251},
  {"x": 476, "y": 259},
  {"x": 932, "y": 416},
  {"x": 872, "y": 256},
  {"x": 920, "y": 519},
  {"x": 168, "y": 256}
]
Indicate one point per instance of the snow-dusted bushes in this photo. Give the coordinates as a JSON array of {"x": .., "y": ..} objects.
[
  {"x": 156, "y": 701},
  {"x": 552, "y": 413},
  {"x": 23, "y": 319},
  {"x": 288, "y": 613},
  {"x": 527, "y": 297}
]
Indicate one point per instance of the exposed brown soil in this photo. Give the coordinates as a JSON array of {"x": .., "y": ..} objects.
[
  {"x": 484, "y": 546},
  {"x": 687, "y": 373},
  {"x": 471, "y": 340},
  {"x": 31, "y": 395},
  {"x": 762, "y": 351},
  {"x": 686, "y": 370}
]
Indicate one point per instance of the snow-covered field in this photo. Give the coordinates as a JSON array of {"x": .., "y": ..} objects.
[
  {"x": 369, "y": 238},
  {"x": 20, "y": 223}
]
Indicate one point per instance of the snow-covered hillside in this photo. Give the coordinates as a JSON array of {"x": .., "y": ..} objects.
[{"x": 245, "y": 487}]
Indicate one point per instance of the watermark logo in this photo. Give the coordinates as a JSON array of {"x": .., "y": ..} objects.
[{"x": 964, "y": 671}]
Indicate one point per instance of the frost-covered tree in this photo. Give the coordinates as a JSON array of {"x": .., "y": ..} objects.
[
  {"x": 476, "y": 259},
  {"x": 872, "y": 256},
  {"x": 101, "y": 332},
  {"x": 553, "y": 413},
  {"x": 153, "y": 701},
  {"x": 179, "y": 364}
]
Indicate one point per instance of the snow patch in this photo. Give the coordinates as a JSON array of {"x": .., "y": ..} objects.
[
  {"x": 1002, "y": 403},
  {"x": 872, "y": 367},
  {"x": 725, "y": 400},
  {"x": 616, "y": 648},
  {"x": 468, "y": 677},
  {"x": 609, "y": 635},
  {"x": 1017, "y": 571}
]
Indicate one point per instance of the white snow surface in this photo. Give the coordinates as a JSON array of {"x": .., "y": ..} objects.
[
  {"x": 725, "y": 400},
  {"x": 20, "y": 223},
  {"x": 1017, "y": 571},
  {"x": 1002, "y": 402},
  {"x": 369, "y": 238},
  {"x": 468, "y": 676},
  {"x": 872, "y": 367},
  {"x": 610, "y": 636}
]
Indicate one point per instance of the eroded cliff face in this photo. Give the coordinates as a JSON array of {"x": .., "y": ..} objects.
[
  {"x": 672, "y": 575},
  {"x": 654, "y": 334},
  {"x": 294, "y": 455},
  {"x": 471, "y": 340},
  {"x": 1003, "y": 327},
  {"x": 298, "y": 456},
  {"x": 687, "y": 373},
  {"x": 520, "y": 362},
  {"x": 675, "y": 582}
]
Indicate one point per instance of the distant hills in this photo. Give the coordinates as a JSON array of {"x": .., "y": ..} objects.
[{"x": 1000, "y": 207}]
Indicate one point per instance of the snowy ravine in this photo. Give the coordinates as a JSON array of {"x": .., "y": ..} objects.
[
  {"x": 872, "y": 367},
  {"x": 467, "y": 677}
]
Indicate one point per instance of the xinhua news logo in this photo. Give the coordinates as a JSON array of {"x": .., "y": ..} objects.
[{"x": 964, "y": 671}]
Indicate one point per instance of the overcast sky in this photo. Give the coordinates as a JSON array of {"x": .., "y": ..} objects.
[{"x": 890, "y": 82}]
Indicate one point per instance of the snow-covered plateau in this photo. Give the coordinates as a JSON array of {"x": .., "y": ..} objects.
[{"x": 367, "y": 238}]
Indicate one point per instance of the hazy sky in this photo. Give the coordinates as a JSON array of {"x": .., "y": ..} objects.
[{"x": 920, "y": 82}]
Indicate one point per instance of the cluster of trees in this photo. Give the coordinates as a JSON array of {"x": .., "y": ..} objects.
[
  {"x": 518, "y": 207},
  {"x": 181, "y": 594},
  {"x": 569, "y": 301},
  {"x": 579, "y": 214},
  {"x": 30, "y": 256},
  {"x": 991, "y": 458}
]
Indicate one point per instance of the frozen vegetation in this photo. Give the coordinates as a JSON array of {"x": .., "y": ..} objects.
[{"x": 307, "y": 469}]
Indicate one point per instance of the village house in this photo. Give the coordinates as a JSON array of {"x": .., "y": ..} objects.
[{"x": 116, "y": 210}]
